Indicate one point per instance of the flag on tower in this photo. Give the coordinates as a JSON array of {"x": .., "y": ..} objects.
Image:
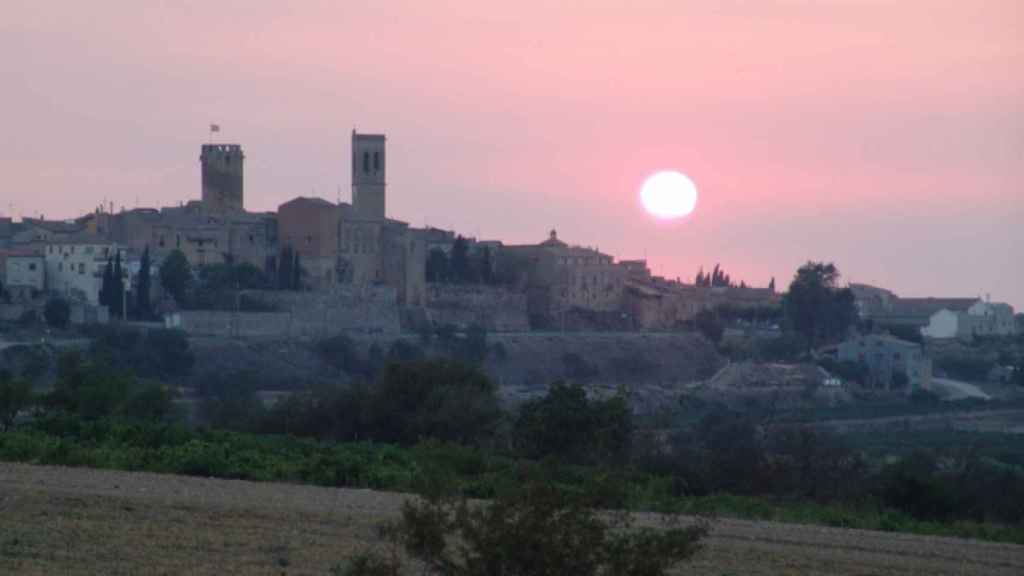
[{"x": 214, "y": 127}]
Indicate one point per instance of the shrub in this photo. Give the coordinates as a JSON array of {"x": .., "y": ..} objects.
[
  {"x": 438, "y": 399},
  {"x": 567, "y": 425},
  {"x": 15, "y": 394},
  {"x": 341, "y": 353},
  {"x": 536, "y": 530},
  {"x": 57, "y": 312},
  {"x": 709, "y": 325},
  {"x": 151, "y": 354}
]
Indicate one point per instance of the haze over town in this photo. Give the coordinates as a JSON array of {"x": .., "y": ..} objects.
[{"x": 837, "y": 131}]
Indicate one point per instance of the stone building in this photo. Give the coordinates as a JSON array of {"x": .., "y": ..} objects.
[
  {"x": 889, "y": 360},
  {"x": 213, "y": 230},
  {"x": 309, "y": 226},
  {"x": 559, "y": 278},
  {"x": 357, "y": 244},
  {"x": 222, "y": 178},
  {"x": 22, "y": 272},
  {"x": 74, "y": 266},
  {"x": 979, "y": 319}
]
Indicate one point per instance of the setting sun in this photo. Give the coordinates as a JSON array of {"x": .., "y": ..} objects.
[{"x": 669, "y": 194}]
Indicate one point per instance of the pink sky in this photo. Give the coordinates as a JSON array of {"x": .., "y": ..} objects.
[{"x": 885, "y": 136}]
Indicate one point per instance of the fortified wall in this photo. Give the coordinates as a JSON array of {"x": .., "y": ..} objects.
[
  {"x": 303, "y": 315},
  {"x": 495, "y": 308}
]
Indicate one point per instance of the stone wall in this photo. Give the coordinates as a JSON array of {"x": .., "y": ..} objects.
[
  {"x": 305, "y": 315},
  {"x": 495, "y": 308}
]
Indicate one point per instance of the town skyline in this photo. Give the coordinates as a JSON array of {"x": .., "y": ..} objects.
[{"x": 930, "y": 210}]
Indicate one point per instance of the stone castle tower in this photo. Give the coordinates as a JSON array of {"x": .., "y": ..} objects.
[
  {"x": 368, "y": 170},
  {"x": 222, "y": 178}
]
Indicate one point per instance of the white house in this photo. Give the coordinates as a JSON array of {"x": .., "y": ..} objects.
[
  {"x": 74, "y": 267},
  {"x": 980, "y": 319},
  {"x": 24, "y": 273}
]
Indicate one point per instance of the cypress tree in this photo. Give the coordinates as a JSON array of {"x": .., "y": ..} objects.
[
  {"x": 117, "y": 295},
  {"x": 142, "y": 300},
  {"x": 108, "y": 284},
  {"x": 297, "y": 273},
  {"x": 284, "y": 269},
  {"x": 486, "y": 266}
]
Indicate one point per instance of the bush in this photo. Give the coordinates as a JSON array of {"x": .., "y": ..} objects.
[
  {"x": 57, "y": 313},
  {"x": 709, "y": 325},
  {"x": 341, "y": 353},
  {"x": 438, "y": 399},
  {"x": 15, "y": 394},
  {"x": 788, "y": 347},
  {"x": 156, "y": 353},
  {"x": 567, "y": 425},
  {"x": 536, "y": 530},
  {"x": 964, "y": 366}
]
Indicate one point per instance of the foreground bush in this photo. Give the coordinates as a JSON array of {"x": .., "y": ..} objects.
[{"x": 536, "y": 530}]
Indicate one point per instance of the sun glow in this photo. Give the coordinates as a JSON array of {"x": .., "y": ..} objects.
[{"x": 668, "y": 194}]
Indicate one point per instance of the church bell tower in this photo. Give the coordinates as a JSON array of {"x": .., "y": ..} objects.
[{"x": 368, "y": 171}]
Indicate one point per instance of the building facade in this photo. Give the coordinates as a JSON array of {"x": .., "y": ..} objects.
[
  {"x": 74, "y": 267},
  {"x": 979, "y": 319},
  {"x": 889, "y": 360}
]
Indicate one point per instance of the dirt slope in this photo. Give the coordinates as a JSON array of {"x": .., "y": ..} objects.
[{"x": 80, "y": 521}]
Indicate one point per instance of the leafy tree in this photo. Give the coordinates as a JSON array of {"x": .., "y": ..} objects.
[
  {"x": 709, "y": 325},
  {"x": 444, "y": 400},
  {"x": 90, "y": 390},
  {"x": 569, "y": 426},
  {"x": 150, "y": 402},
  {"x": 143, "y": 307},
  {"x": 536, "y": 530},
  {"x": 437, "y": 266},
  {"x": 57, "y": 312},
  {"x": 15, "y": 395},
  {"x": 159, "y": 353},
  {"x": 816, "y": 307},
  {"x": 340, "y": 352},
  {"x": 176, "y": 275}
]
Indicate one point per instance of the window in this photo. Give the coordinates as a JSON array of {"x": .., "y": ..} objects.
[
  {"x": 60, "y": 266},
  {"x": 376, "y": 161},
  {"x": 81, "y": 268},
  {"x": 32, "y": 266},
  {"x": 366, "y": 162}
]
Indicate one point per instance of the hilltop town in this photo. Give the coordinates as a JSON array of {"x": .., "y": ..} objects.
[
  {"x": 352, "y": 250},
  {"x": 314, "y": 269}
]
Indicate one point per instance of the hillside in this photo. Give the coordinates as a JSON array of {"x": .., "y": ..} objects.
[{"x": 82, "y": 521}]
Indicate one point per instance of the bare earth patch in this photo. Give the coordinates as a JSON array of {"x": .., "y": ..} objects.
[{"x": 79, "y": 521}]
